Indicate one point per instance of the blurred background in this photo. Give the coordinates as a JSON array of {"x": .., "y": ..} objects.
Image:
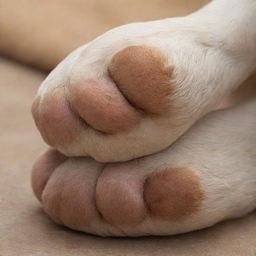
[{"x": 42, "y": 32}]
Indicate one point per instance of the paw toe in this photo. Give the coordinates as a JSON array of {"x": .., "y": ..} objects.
[
  {"x": 119, "y": 195},
  {"x": 43, "y": 168},
  {"x": 69, "y": 196},
  {"x": 101, "y": 105},
  {"x": 173, "y": 194},
  {"x": 141, "y": 74},
  {"x": 55, "y": 120}
]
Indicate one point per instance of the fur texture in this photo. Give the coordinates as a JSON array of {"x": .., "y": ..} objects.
[{"x": 149, "y": 90}]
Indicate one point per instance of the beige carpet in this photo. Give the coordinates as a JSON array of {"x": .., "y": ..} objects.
[
  {"x": 41, "y": 33},
  {"x": 26, "y": 231}
]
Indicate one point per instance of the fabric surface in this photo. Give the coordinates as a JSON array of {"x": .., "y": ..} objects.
[
  {"x": 42, "y": 33},
  {"x": 25, "y": 230}
]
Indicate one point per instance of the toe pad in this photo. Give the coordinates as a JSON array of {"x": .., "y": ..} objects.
[
  {"x": 141, "y": 74},
  {"x": 173, "y": 194}
]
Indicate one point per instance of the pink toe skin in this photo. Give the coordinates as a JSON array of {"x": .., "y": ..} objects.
[
  {"x": 42, "y": 169},
  {"x": 101, "y": 105},
  {"x": 56, "y": 122},
  {"x": 119, "y": 194},
  {"x": 69, "y": 196}
]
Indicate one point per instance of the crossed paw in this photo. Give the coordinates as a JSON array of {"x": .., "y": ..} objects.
[{"x": 138, "y": 149}]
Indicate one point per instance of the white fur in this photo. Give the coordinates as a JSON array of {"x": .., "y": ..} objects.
[
  {"x": 220, "y": 149},
  {"x": 213, "y": 51},
  {"x": 212, "y": 54}
]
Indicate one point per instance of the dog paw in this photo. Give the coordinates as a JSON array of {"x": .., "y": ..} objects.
[
  {"x": 198, "y": 181},
  {"x": 114, "y": 199},
  {"x": 133, "y": 91}
]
